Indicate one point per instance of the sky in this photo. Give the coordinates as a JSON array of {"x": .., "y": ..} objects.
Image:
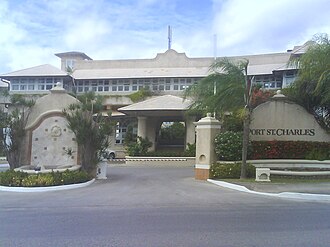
[{"x": 32, "y": 31}]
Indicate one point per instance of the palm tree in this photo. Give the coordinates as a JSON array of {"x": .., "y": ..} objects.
[
  {"x": 69, "y": 70},
  {"x": 311, "y": 88},
  {"x": 227, "y": 88},
  {"x": 12, "y": 126},
  {"x": 91, "y": 128}
]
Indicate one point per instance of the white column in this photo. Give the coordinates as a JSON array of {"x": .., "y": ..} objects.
[
  {"x": 190, "y": 131},
  {"x": 151, "y": 132},
  {"x": 142, "y": 127}
]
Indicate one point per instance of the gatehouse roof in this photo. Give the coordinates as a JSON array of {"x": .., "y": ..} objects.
[{"x": 165, "y": 105}]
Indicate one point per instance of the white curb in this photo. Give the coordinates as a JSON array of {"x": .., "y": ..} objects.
[
  {"x": 46, "y": 189},
  {"x": 288, "y": 195}
]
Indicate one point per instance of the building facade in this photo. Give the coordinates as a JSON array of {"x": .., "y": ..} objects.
[{"x": 166, "y": 76}]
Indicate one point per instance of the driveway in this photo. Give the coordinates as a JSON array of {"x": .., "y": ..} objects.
[{"x": 158, "y": 206}]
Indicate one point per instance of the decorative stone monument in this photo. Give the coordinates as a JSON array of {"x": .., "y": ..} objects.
[
  {"x": 49, "y": 142},
  {"x": 282, "y": 120},
  {"x": 206, "y": 130}
]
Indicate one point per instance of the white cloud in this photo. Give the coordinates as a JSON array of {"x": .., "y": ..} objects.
[
  {"x": 32, "y": 31},
  {"x": 262, "y": 26}
]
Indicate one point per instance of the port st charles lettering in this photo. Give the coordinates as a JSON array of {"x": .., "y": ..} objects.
[{"x": 282, "y": 132}]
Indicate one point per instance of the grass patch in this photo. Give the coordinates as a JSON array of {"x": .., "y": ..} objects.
[{"x": 279, "y": 180}]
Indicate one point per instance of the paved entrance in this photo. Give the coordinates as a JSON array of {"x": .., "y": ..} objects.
[{"x": 158, "y": 206}]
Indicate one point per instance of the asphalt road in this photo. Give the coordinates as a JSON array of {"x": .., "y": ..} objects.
[{"x": 159, "y": 206}]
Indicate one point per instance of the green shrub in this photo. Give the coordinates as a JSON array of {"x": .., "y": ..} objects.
[
  {"x": 173, "y": 131},
  {"x": 228, "y": 145},
  {"x": 17, "y": 179},
  {"x": 140, "y": 95},
  {"x": 164, "y": 154},
  {"x": 38, "y": 180},
  {"x": 318, "y": 154},
  {"x": 12, "y": 178},
  {"x": 231, "y": 170},
  {"x": 190, "y": 150},
  {"x": 138, "y": 148},
  {"x": 233, "y": 122}
]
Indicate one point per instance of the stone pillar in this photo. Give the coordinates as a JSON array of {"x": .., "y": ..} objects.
[
  {"x": 190, "y": 131},
  {"x": 206, "y": 130},
  {"x": 147, "y": 129},
  {"x": 142, "y": 127}
]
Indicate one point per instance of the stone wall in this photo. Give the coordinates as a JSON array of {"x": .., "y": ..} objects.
[
  {"x": 51, "y": 142},
  {"x": 48, "y": 141}
]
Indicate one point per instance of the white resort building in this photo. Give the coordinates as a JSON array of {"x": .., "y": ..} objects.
[{"x": 166, "y": 76}]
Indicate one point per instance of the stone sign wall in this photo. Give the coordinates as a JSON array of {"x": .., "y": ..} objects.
[
  {"x": 53, "y": 144},
  {"x": 282, "y": 120},
  {"x": 48, "y": 141}
]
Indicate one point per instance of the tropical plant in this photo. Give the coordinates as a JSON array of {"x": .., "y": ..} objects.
[
  {"x": 139, "y": 147},
  {"x": 227, "y": 88},
  {"x": 173, "y": 131},
  {"x": 190, "y": 150},
  {"x": 91, "y": 128},
  {"x": 140, "y": 95},
  {"x": 228, "y": 145},
  {"x": 13, "y": 125},
  {"x": 311, "y": 88},
  {"x": 69, "y": 70}
]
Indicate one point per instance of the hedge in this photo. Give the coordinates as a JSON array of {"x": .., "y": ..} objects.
[
  {"x": 290, "y": 150},
  {"x": 231, "y": 170},
  {"x": 21, "y": 179}
]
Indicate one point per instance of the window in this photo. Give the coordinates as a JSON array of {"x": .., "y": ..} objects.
[
  {"x": 289, "y": 74},
  {"x": 114, "y": 85},
  {"x": 14, "y": 84},
  {"x": 126, "y": 85},
  {"x": 94, "y": 86},
  {"x": 121, "y": 129}
]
